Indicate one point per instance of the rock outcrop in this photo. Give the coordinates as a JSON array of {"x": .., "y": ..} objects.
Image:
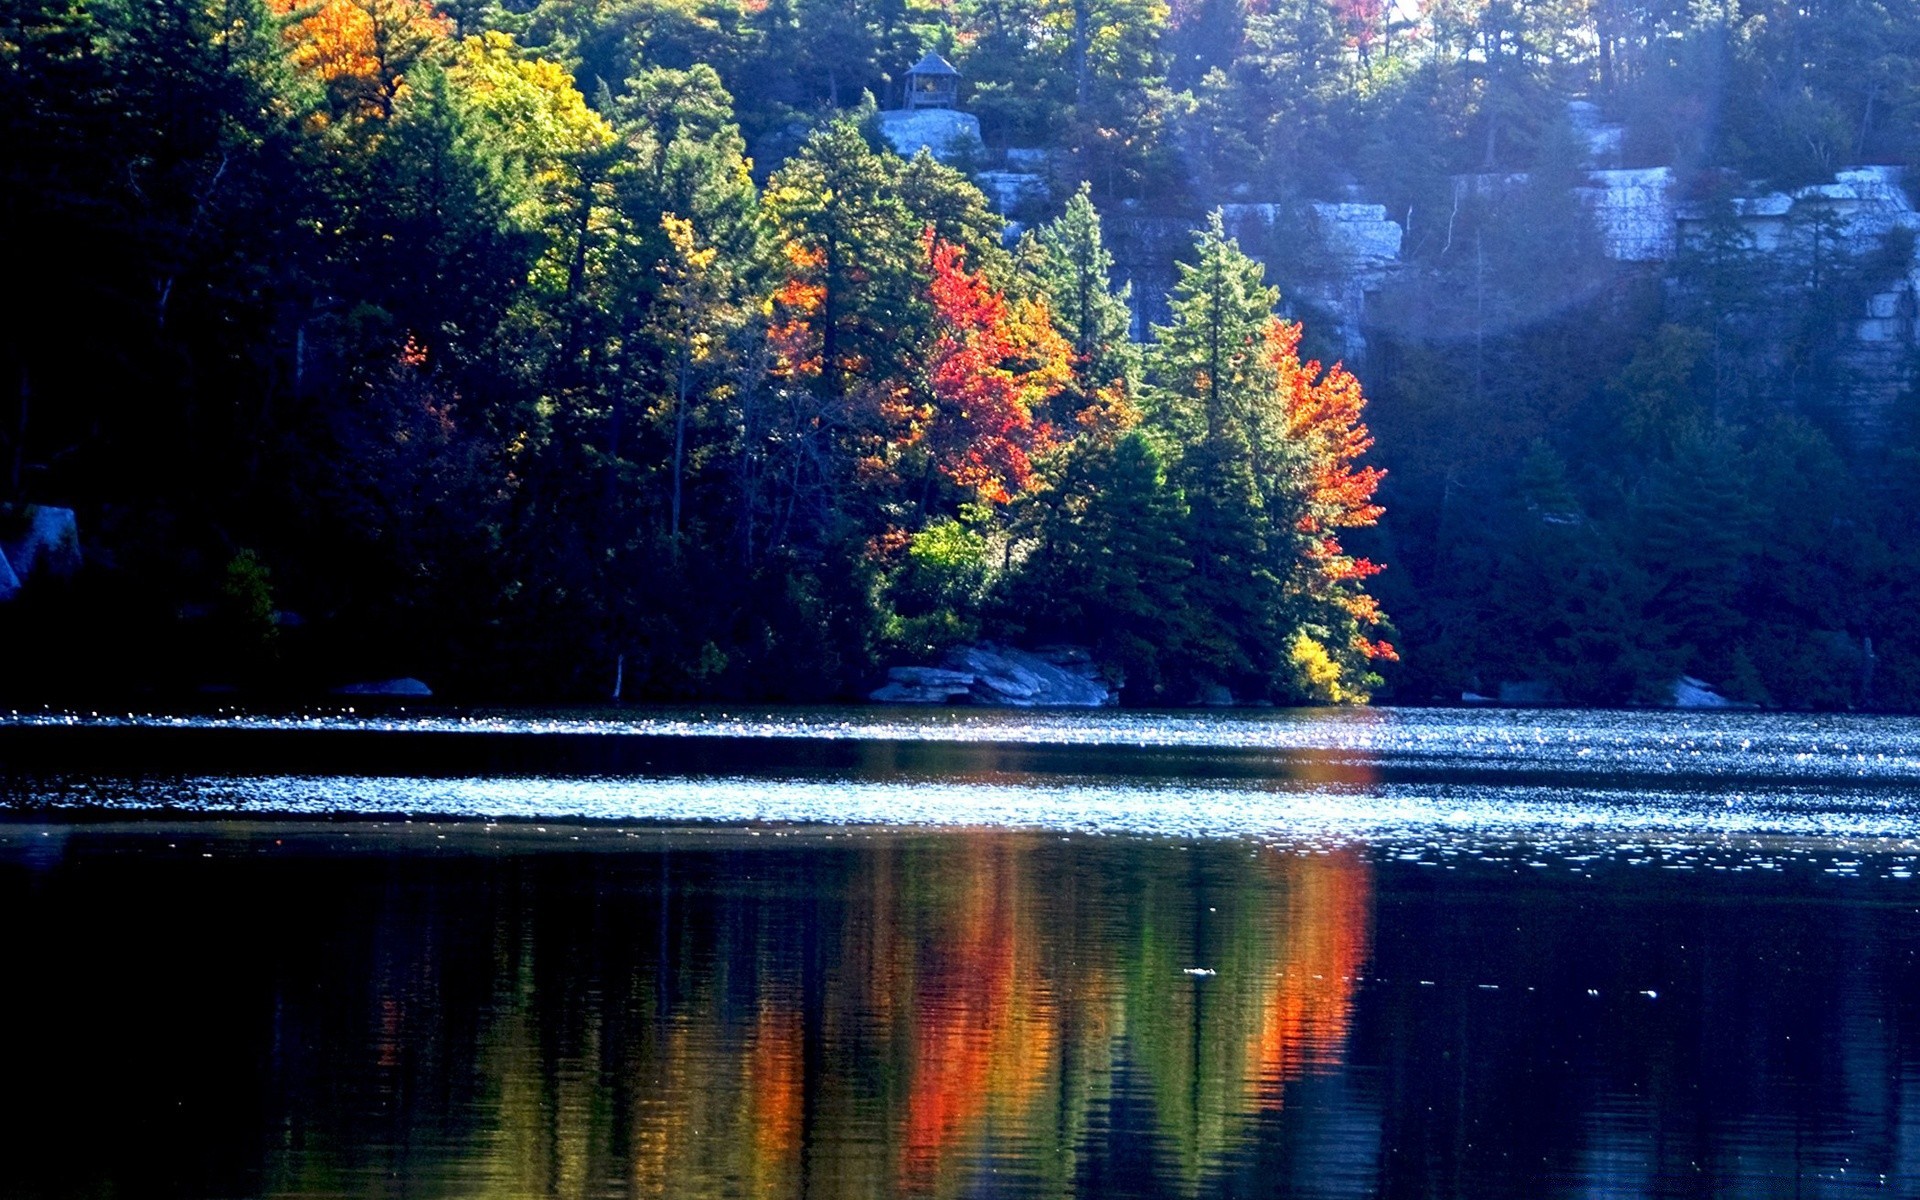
[
  {"x": 948, "y": 134},
  {"x": 49, "y": 544},
  {"x": 386, "y": 687},
  {"x": 989, "y": 674},
  {"x": 1341, "y": 255},
  {"x": 1010, "y": 192},
  {"x": 1689, "y": 692},
  {"x": 1634, "y": 213}
]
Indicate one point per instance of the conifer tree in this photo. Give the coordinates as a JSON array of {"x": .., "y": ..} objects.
[
  {"x": 1214, "y": 396},
  {"x": 845, "y": 230},
  {"x": 1208, "y": 362},
  {"x": 1075, "y": 269},
  {"x": 1110, "y": 564}
]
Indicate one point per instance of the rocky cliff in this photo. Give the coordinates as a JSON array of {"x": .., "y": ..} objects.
[{"x": 1338, "y": 256}]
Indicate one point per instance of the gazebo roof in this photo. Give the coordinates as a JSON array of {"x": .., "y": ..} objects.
[{"x": 933, "y": 64}]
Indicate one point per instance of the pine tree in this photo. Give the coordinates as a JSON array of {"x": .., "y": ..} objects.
[
  {"x": 1110, "y": 565},
  {"x": 1075, "y": 269},
  {"x": 1215, "y": 396},
  {"x": 1208, "y": 363},
  {"x": 846, "y": 231}
]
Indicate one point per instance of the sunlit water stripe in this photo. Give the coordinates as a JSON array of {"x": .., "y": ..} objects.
[
  {"x": 1388, "y": 816},
  {"x": 1646, "y": 743}
]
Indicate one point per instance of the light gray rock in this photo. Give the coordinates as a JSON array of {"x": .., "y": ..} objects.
[
  {"x": 989, "y": 674},
  {"x": 1634, "y": 212},
  {"x": 50, "y": 545},
  {"x": 1355, "y": 246},
  {"x": 1008, "y": 190},
  {"x": 931, "y": 677},
  {"x": 1359, "y": 235},
  {"x": 405, "y": 686},
  {"x": 1600, "y": 138},
  {"x": 947, "y": 133},
  {"x": 1006, "y": 676},
  {"x": 1689, "y": 692},
  {"x": 1351, "y": 250},
  {"x": 923, "y": 685}
]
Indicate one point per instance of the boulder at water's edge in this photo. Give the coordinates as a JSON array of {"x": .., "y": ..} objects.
[{"x": 989, "y": 674}]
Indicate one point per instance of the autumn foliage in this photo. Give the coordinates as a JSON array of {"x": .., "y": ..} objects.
[
  {"x": 994, "y": 364},
  {"x": 362, "y": 49},
  {"x": 696, "y": 429},
  {"x": 1323, "y": 410},
  {"x": 795, "y": 308}
]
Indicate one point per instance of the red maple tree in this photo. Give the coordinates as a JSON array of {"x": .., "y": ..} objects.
[
  {"x": 993, "y": 364},
  {"x": 1323, "y": 408}
]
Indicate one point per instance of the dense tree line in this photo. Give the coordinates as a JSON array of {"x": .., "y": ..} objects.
[
  {"x": 367, "y": 343},
  {"x": 1605, "y": 478},
  {"x": 531, "y": 345}
]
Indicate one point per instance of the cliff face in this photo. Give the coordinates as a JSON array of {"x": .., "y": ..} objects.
[
  {"x": 1634, "y": 213},
  {"x": 1340, "y": 255},
  {"x": 1863, "y": 220},
  {"x": 948, "y": 133}
]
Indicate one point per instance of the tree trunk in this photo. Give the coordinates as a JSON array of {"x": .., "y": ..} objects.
[
  {"x": 683, "y": 384},
  {"x": 829, "y": 321},
  {"x": 1081, "y": 36},
  {"x": 17, "y": 466}
]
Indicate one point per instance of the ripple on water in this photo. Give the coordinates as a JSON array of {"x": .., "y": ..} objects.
[
  {"x": 1646, "y": 742},
  {"x": 1529, "y": 828}
]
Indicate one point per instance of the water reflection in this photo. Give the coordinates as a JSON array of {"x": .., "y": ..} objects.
[
  {"x": 265, "y": 1009},
  {"x": 972, "y": 1009}
]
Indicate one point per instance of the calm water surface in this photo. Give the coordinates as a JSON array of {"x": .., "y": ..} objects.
[{"x": 963, "y": 977}]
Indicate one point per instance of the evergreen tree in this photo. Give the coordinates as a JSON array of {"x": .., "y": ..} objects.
[
  {"x": 1208, "y": 364},
  {"x": 1075, "y": 269},
  {"x": 844, "y": 228},
  {"x": 1214, "y": 395},
  {"x": 1110, "y": 565}
]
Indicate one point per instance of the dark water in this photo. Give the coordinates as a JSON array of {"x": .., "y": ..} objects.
[{"x": 987, "y": 982}]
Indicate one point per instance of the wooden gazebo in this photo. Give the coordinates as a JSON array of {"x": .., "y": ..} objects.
[{"x": 933, "y": 83}]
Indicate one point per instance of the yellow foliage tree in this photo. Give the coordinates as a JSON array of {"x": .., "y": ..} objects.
[{"x": 361, "y": 50}]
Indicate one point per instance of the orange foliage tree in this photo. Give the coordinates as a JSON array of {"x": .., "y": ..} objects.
[
  {"x": 993, "y": 364},
  {"x": 361, "y": 50},
  {"x": 1321, "y": 414},
  {"x": 794, "y": 312}
]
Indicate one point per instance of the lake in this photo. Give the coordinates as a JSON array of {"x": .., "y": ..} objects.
[{"x": 857, "y": 953}]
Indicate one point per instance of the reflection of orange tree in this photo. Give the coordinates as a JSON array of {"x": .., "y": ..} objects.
[
  {"x": 1013, "y": 1029},
  {"x": 706, "y": 1130},
  {"x": 1286, "y": 938},
  {"x": 984, "y": 1019},
  {"x": 984, "y": 995},
  {"x": 1323, "y": 947},
  {"x": 773, "y": 1090}
]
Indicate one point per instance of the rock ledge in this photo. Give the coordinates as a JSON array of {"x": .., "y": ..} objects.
[{"x": 989, "y": 674}]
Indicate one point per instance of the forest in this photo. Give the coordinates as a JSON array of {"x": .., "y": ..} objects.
[{"x": 572, "y": 349}]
